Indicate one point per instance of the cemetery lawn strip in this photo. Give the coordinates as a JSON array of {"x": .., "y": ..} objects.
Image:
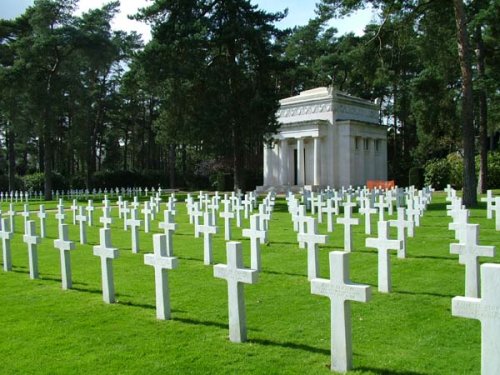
[{"x": 46, "y": 330}]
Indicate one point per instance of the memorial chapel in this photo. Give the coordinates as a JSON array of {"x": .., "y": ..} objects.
[{"x": 326, "y": 138}]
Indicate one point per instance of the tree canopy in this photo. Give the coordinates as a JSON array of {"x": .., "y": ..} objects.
[{"x": 195, "y": 104}]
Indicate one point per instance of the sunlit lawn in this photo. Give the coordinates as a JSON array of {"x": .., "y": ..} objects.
[{"x": 45, "y": 330}]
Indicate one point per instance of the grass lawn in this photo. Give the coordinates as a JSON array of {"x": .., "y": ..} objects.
[{"x": 45, "y": 330}]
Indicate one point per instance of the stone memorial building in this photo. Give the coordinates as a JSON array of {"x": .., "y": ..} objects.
[{"x": 326, "y": 138}]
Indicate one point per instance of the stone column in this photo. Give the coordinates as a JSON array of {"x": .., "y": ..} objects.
[
  {"x": 300, "y": 162},
  {"x": 316, "y": 161},
  {"x": 284, "y": 162},
  {"x": 266, "y": 165}
]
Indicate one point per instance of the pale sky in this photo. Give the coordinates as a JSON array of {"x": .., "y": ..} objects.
[{"x": 299, "y": 12}]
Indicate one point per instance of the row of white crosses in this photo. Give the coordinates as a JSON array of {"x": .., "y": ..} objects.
[
  {"x": 482, "y": 283},
  {"x": 492, "y": 208}
]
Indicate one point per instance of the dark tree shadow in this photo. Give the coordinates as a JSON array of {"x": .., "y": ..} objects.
[
  {"x": 201, "y": 322},
  {"x": 290, "y": 345}
]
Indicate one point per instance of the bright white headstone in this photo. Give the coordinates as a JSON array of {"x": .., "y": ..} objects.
[
  {"x": 161, "y": 263},
  {"x": 487, "y": 310},
  {"x": 107, "y": 254},
  {"x": 235, "y": 275},
  {"x": 340, "y": 291}
]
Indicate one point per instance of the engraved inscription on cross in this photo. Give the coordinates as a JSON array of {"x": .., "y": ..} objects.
[
  {"x": 487, "y": 310},
  {"x": 340, "y": 291},
  {"x": 468, "y": 252}
]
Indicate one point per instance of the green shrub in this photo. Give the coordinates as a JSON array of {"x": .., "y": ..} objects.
[
  {"x": 493, "y": 170},
  {"x": 437, "y": 173},
  {"x": 416, "y": 177},
  {"x": 34, "y": 182},
  {"x": 456, "y": 165}
]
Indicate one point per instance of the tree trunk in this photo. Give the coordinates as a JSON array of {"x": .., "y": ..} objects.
[
  {"x": 469, "y": 173},
  {"x": 47, "y": 164},
  {"x": 11, "y": 139},
  {"x": 239, "y": 182},
  {"x": 171, "y": 165},
  {"x": 483, "y": 115}
]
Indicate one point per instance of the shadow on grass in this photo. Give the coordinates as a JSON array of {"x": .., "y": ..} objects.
[
  {"x": 387, "y": 372},
  {"x": 285, "y": 273},
  {"x": 145, "y": 306},
  {"x": 432, "y": 257},
  {"x": 201, "y": 322},
  {"x": 290, "y": 345},
  {"x": 424, "y": 294}
]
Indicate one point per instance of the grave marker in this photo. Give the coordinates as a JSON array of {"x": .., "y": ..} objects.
[
  {"x": 340, "y": 291},
  {"x": 383, "y": 244},
  {"x": 207, "y": 229},
  {"x": 311, "y": 238},
  {"x": 107, "y": 254},
  {"x": 32, "y": 240},
  {"x": 169, "y": 227},
  {"x": 468, "y": 252},
  {"x": 348, "y": 222},
  {"x": 6, "y": 236},
  {"x": 256, "y": 237},
  {"x": 134, "y": 223},
  {"x": 81, "y": 218},
  {"x": 161, "y": 263},
  {"x": 235, "y": 275},
  {"x": 486, "y": 310},
  {"x": 64, "y": 245}
]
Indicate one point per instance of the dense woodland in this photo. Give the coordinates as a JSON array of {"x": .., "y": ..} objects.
[{"x": 82, "y": 105}]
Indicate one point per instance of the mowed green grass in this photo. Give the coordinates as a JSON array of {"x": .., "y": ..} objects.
[{"x": 45, "y": 330}]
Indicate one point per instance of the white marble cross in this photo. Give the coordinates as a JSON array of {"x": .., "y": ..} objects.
[
  {"x": 330, "y": 210},
  {"x": 64, "y": 245},
  {"x": 235, "y": 275},
  {"x": 12, "y": 215},
  {"x": 26, "y": 214},
  {"x": 468, "y": 252},
  {"x": 6, "y": 236},
  {"x": 367, "y": 211},
  {"x": 196, "y": 214},
  {"x": 169, "y": 227},
  {"x": 147, "y": 211},
  {"x": 161, "y": 262},
  {"x": 120, "y": 206},
  {"x": 486, "y": 310},
  {"x": 256, "y": 236},
  {"x": 227, "y": 215},
  {"x": 42, "y": 216},
  {"x": 125, "y": 211},
  {"x": 340, "y": 291},
  {"x": 74, "y": 209},
  {"x": 265, "y": 216},
  {"x": 413, "y": 212},
  {"x": 207, "y": 229},
  {"x": 311, "y": 238},
  {"x": 238, "y": 208},
  {"x": 496, "y": 209},
  {"x": 60, "y": 216},
  {"x": 401, "y": 224},
  {"x": 347, "y": 221},
  {"x": 81, "y": 218},
  {"x": 383, "y": 244},
  {"x": 459, "y": 222},
  {"x": 381, "y": 205},
  {"x": 134, "y": 223},
  {"x": 489, "y": 199},
  {"x": 32, "y": 240},
  {"x": 106, "y": 220},
  {"x": 107, "y": 254},
  {"x": 90, "y": 212}
]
